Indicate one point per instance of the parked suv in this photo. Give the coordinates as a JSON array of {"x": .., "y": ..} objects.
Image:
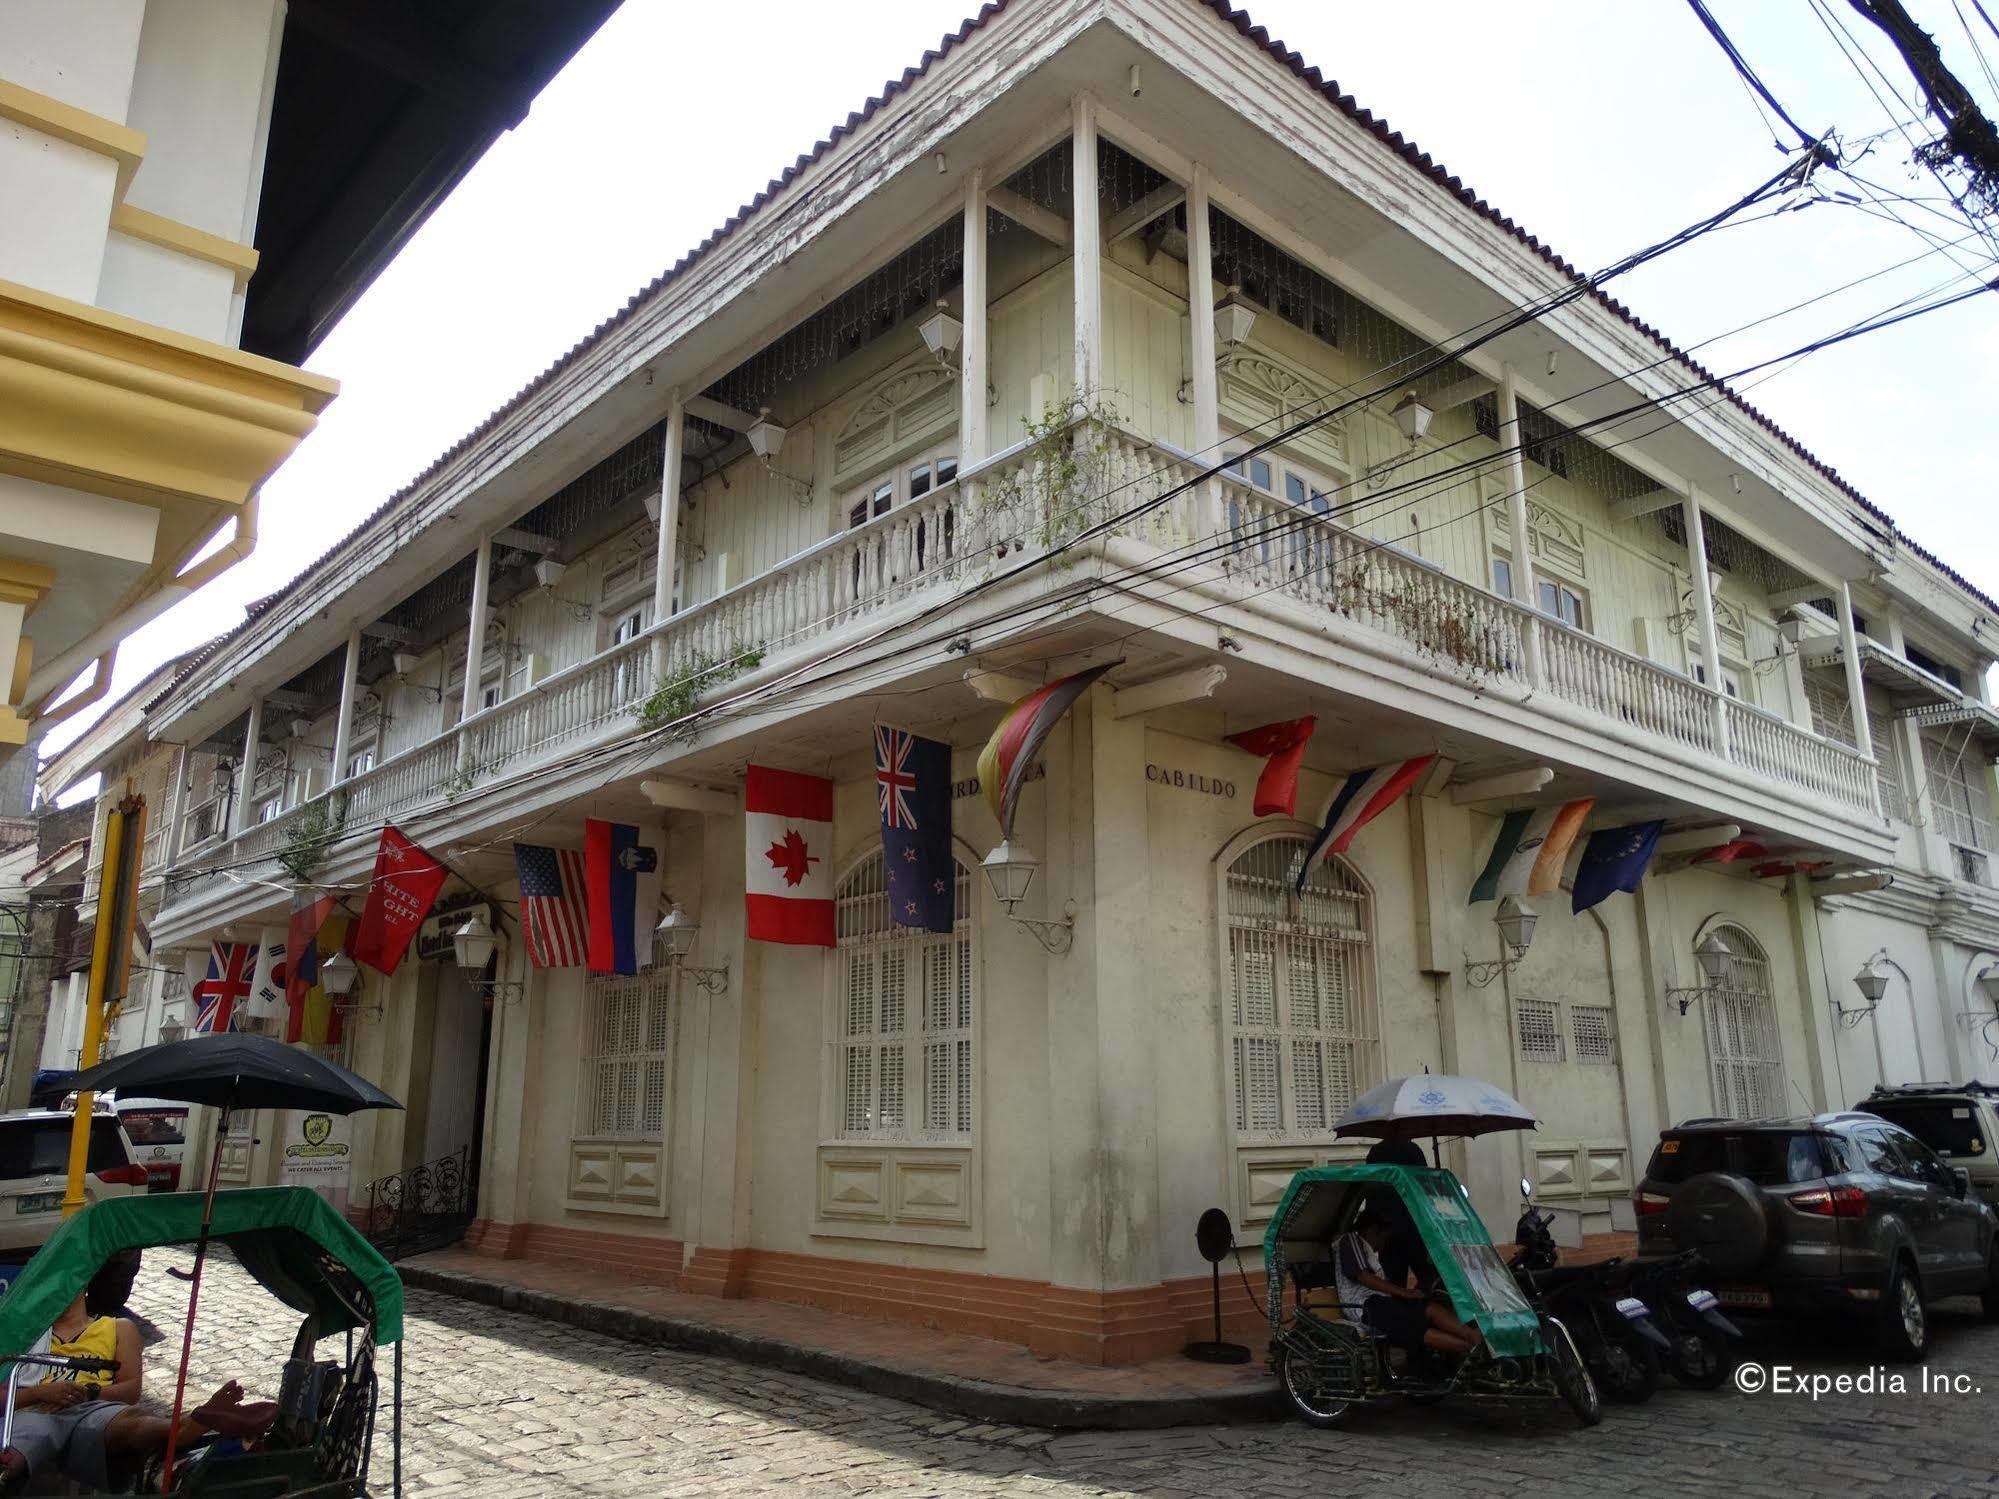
[
  {"x": 1845, "y": 1213},
  {"x": 1959, "y": 1121},
  {"x": 34, "y": 1171}
]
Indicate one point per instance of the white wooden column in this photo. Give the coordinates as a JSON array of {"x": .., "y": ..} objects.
[
  {"x": 1696, "y": 529},
  {"x": 343, "y": 723},
  {"x": 175, "y": 810},
  {"x": 246, "y": 777},
  {"x": 667, "y": 548},
  {"x": 1087, "y": 241},
  {"x": 1522, "y": 564},
  {"x": 972, "y": 373},
  {"x": 475, "y": 643},
  {"x": 1201, "y": 339},
  {"x": 1856, "y": 687}
]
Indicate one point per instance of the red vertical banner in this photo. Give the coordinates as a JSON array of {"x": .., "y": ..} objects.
[{"x": 400, "y": 895}]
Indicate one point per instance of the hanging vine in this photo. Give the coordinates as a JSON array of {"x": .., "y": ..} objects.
[{"x": 697, "y": 674}]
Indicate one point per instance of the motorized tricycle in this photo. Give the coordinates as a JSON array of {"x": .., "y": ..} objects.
[
  {"x": 1328, "y": 1361},
  {"x": 306, "y": 1255}
]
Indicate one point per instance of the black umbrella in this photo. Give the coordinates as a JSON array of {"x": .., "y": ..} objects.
[{"x": 234, "y": 1070}]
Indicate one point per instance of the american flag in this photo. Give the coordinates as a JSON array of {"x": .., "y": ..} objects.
[
  {"x": 230, "y": 967},
  {"x": 894, "y": 778},
  {"x": 552, "y": 905}
]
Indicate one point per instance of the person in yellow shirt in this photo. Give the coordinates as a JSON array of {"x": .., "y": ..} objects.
[{"x": 88, "y": 1423}]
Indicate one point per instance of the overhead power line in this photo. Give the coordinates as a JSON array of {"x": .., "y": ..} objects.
[{"x": 1748, "y": 74}]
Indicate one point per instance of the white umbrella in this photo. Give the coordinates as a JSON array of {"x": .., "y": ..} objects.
[{"x": 1432, "y": 1104}]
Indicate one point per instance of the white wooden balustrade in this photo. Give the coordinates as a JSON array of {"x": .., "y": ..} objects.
[{"x": 1272, "y": 555}]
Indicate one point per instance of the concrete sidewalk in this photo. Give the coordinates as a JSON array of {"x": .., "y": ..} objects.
[{"x": 977, "y": 1378}]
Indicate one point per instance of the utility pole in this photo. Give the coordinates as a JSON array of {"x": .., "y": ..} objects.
[
  {"x": 1969, "y": 137},
  {"x": 110, "y": 955}
]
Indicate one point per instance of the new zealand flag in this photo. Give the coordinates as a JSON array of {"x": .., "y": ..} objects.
[{"x": 913, "y": 778}]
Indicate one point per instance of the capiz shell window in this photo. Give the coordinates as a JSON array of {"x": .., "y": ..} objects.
[
  {"x": 1301, "y": 1019},
  {"x": 904, "y": 1041}
]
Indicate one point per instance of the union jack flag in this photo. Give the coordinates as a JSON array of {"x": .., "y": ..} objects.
[
  {"x": 231, "y": 966},
  {"x": 895, "y": 780}
]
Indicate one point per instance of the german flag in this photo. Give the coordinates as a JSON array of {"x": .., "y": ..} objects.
[{"x": 1009, "y": 754}]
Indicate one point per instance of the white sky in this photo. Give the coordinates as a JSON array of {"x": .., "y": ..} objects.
[{"x": 1601, "y": 128}]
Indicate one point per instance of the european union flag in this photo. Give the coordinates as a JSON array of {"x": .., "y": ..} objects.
[
  {"x": 1614, "y": 859},
  {"x": 913, "y": 779}
]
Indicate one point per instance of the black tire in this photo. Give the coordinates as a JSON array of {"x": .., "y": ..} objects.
[
  {"x": 1904, "y": 1328},
  {"x": 1635, "y": 1360},
  {"x": 1701, "y": 1360},
  {"x": 1572, "y": 1381},
  {"x": 1301, "y": 1393},
  {"x": 1988, "y": 1299}
]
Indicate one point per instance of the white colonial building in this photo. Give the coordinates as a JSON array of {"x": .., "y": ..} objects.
[{"x": 842, "y": 466}]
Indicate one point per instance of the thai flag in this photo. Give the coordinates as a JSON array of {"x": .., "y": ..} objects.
[
  {"x": 621, "y": 881},
  {"x": 1362, "y": 797}
]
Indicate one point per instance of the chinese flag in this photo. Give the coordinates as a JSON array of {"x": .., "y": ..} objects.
[
  {"x": 1284, "y": 745},
  {"x": 400, "y": 895}
]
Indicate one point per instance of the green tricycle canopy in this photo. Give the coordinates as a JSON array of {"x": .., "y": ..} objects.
[
  {"x": 288, "y": 1238},
  {"x": 1322, "y": 1202}
]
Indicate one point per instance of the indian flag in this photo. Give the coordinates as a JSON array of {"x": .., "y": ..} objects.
[{"x": 1532, "y": 847}]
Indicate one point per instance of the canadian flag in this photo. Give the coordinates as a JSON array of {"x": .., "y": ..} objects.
[{"x": 788, "y": 881}]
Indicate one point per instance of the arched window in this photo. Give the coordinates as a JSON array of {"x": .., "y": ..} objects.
[
  {"x": 903, "y": 1063},
  {"x": 1301, "y": 1006},
  {"x": 1742, "y": 1042}
]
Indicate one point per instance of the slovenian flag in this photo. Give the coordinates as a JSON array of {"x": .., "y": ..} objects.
[
  {"x": 1532, "y": 846},
  {"x": 621, "y": 891},
  {"x": 1009, "y": 754},
  {"x": 1362, "y": 797}
]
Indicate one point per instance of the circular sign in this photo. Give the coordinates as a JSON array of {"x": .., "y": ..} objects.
[{"x": 1214, "y": 1235}]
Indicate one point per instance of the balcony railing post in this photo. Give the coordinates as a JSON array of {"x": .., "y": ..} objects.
[
  {"x": 246, "y": 773},
  {"x": 1696, "y": 531}
]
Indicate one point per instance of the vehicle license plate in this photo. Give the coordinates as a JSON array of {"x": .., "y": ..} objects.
[
  {"x": 1741, "y": 1296},
  {"x": 38, "y": 1202},
  {"x": 1632, "y": 1307},
  {"x": 1701, "y": 1301}
]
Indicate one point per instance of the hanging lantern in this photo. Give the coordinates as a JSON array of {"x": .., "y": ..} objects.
[
  {"x": 1516, "y": 920},
  {"x": 473, "y": 943},
  {"x": 766, "y": 437},
  {"x": 677, "y": 930},
  {"x": 1010, "y": 871},
  {"x": 1714, "y": 956},
  {"x": 1413, "y": 417}
]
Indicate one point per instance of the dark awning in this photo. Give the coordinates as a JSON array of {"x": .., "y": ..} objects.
[{"x": 380, "y": 108}]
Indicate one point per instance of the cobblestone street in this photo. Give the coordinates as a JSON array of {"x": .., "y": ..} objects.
[{"x": 505, "y": 1405}]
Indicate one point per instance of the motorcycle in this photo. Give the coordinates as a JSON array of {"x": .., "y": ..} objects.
[
  {"x": 1702, "y": 1341},
  {"x": 1614, "y": 1331}
]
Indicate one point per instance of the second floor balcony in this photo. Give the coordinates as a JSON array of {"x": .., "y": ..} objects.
[{"x": 960, "y": 576}]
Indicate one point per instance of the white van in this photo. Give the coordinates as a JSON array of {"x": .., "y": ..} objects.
[{"x": 157, "y": 1128}]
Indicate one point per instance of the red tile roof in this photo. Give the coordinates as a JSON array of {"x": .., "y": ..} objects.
[{"x": 1240, "y": 20}]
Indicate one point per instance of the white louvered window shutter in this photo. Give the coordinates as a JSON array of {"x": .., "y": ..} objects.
[
  {"x": 904, "y": 1063},
  {"x": 1743, "y": 1047},
  {"x": 625, "y": 1080},
  {"x": 1301, "y": 1031}
]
